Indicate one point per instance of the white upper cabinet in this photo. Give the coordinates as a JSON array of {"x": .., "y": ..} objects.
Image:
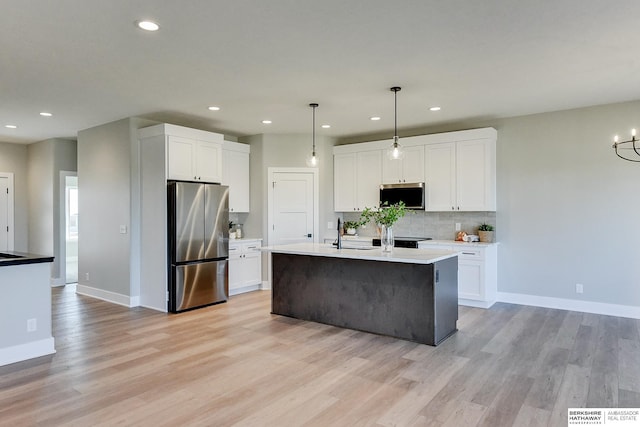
[
  {"x": 476, "y": 175},
  {"x": 194, "y": 160},
  {"x": 356, "y": 180},
  {"x": 461, "y": 176},
  {"x": 235, "y": 174},
  {"x": 408, "y": 169},
  {"x": 344, "y": 182},
  {"x": 458, "y": 169},
  {"x": 440, "y": 171},
  {"x": 368, "y": 177}
]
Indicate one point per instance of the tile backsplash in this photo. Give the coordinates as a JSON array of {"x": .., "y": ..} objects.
[{"x": 437, "y": 225}]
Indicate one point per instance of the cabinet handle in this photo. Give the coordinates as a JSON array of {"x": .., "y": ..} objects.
[{"x": 452, "y": 208}]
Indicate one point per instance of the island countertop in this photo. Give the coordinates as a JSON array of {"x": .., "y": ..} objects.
[
  {"x": 18, "y": 258},
  {"x": 373, "y": 253}
]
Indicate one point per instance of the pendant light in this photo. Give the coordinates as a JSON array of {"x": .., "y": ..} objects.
[
  {"x": 312, "y": 160},
  {"x": 395, "y": 152}
]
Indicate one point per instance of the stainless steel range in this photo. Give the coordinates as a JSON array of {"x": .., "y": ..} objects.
[{"x": 404, "y": 242}]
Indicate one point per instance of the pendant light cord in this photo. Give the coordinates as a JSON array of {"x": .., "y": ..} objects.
[{"x": 395, "y": 91}]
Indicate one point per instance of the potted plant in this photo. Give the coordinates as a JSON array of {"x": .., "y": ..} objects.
[
  {"x": 351, "y": 226},
  {"x": 485, "y": 232},
  {"x": 384, "y": 217}
]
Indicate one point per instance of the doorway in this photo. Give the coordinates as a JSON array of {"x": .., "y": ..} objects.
[
  {"x": 6, "y": 211},
  {"x": 69, "y": 227},
  {"x": 293, "y": 205}
]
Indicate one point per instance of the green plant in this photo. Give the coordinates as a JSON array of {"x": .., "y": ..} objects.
[
  {"x": 352, "y": 224},
  {"x": 386, "y": 214},
  {"x": 485, "y": 227}
]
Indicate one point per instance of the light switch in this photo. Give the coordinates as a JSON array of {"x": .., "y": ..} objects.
[{"x": 123, "y": 229}]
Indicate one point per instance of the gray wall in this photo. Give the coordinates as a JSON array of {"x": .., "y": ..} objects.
[
  {"x": 290, "y": 150},
  {"x": 46, "y": 160},
  {"x": 13, "y": 159},
  {"x": 104, "y": 188}
]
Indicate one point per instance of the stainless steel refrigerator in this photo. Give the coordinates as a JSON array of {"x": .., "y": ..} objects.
[{"x": 198, "y": 244}]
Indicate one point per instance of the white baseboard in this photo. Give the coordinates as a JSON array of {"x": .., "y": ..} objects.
[
  {"x": 108, "y": 296},
  {"x": 266, "y": 285},
  {"x": 243, "y": 290},
  {"x": 57, "y": 281},
  {"x": 473, "y": 303},
  {"x": 18, "y": 353},
  {"x": 618, "y": 310}
]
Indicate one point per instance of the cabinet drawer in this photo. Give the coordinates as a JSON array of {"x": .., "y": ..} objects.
[{"x": 471, "y": 254}]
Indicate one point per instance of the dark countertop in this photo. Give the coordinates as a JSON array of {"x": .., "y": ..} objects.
[{"x": 18, "y": 258}]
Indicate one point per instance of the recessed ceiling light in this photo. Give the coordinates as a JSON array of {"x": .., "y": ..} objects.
[
  {"x": 45, "y": 114},
  {"x": 11, "y": 126},
  {"x": 326, "y": 126},
  {"x": 266, "y": 122},
  {"x": 374, "y": 118},
  {"x": 148, "y": 25},
  {"x": 213, "y": 108},
  {"x": 434, "y": 109}
]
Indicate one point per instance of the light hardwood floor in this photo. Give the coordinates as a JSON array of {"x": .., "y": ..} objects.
[{"x": 236, "y": 364}]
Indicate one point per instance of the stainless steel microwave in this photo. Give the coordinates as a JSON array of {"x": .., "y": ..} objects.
[{"x": 412, "y": 194}]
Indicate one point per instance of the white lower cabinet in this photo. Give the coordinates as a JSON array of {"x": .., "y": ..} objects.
[
  {"x": 245, "y": 265},
  {"x": 477, "y": 272}
]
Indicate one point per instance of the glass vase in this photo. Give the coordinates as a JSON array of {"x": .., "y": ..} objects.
[{"x": 386, "y": 238}]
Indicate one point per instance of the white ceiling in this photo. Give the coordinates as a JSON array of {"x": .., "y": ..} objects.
[{"x": 87, "y": 63}]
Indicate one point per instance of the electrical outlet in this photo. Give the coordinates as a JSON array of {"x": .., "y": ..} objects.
[
  {"x": 579, "y": 288},
  {"x": 32, "y": 325},
  {"x": 86, "y": 276},
  {"x": 330, "y": 225},
  {"x": 458, "y": 226},
  {"x": 123, "y": 229}
]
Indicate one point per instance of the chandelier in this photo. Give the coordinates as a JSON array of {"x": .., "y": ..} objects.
[{"x": 622, "y": 148}]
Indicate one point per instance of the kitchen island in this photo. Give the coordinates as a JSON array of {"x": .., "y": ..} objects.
[
  {"x": 410, "y": 294},
  {"x": 25, "y": 318}
]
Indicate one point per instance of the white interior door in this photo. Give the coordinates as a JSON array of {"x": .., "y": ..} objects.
[
  {"x": 4, "y": 213},
  {"x": 293, "y": 206}
]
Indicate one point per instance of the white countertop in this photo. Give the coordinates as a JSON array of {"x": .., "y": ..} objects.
[
  {"x": 456, "y": 243},
  {"x": 372, "y": 253}
]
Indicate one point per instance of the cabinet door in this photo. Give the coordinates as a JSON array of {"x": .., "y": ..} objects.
[
  {"x": 413, "y": 164},
  {"x": 180, "y": 155},
  {"x": 391, "y": 169},
  {"x": 470, "y": 279},
  {"x": 235, "y": 174},
  {"x": 368, "y": 179},
  {"x": 473, "y": 186},
  {"x": 235, "y": 267},
  {"x": 344, "y": 182},
  {"x": 209, "y": 161},
  {"x": 252, "y": 267},
  {"x": 440, "y": 171}
]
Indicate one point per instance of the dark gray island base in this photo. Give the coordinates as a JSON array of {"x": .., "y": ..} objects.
[{"x": 413, "y": 301}]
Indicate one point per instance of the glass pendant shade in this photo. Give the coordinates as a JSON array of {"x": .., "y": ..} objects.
[
  {"x": 312, "y": 160},
  {"x": 395, "y": 152}
]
